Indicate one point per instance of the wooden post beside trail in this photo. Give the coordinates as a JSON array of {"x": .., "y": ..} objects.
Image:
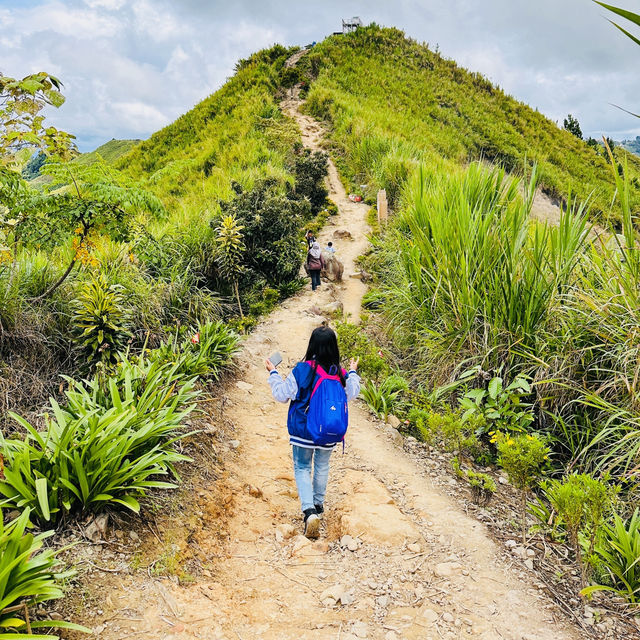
[{"x": 382, "y": 206}]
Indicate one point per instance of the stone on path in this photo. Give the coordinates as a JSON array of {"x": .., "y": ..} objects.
[{"x": 447, "y": 569}]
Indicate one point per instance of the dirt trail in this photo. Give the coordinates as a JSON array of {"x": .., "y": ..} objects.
[{"x": 416, "y": 567}]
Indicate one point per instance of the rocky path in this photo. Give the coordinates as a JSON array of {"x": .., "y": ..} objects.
[{"x": 397, "y": 558}]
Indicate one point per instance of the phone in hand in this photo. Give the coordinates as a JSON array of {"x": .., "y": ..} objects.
[{"x": 275, "y": 358}]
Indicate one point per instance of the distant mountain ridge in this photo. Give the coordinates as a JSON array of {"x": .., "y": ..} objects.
[
  {"x": 631, "y": 145},
  {"x": 109, "y": 152}
]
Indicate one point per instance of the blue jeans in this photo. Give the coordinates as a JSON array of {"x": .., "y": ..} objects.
[
  {"x": 311, "y": 492},
  {"x": 315, "y": 278}
]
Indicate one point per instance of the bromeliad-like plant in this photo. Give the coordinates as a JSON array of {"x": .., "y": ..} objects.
[
  {"x": 204, "y": 351},
  {"x": 522, "y": 457},
  {"x": 229, "y": 251},
  {"x": 29, "y": 575},
  {"x": 99, "y": 320},
  {"x": 619, "y": 549}
]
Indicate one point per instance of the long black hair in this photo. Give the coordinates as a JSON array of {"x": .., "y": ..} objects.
[{"x": 323, "y": 350}]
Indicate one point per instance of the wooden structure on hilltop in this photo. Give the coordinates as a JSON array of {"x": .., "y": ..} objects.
[{"x": 351, "y": 24}]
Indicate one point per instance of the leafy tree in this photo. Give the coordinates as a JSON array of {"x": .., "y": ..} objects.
[
  {"x": 592, "y": 142},
  {"x": 93, "y": 200},
  {"x": 229, "y": 252},
  {"x": 310, "y": 169},
  {"x": 21, "y": 123},
  {"x": 572, "y": 125},
  {"x": 271, "y": 230}
]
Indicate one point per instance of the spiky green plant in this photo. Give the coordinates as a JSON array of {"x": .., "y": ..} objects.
[
  {"x": 100, "y": 321},
  {"x": 229, "y": 251},
  {"x": 29, "y": 575}
]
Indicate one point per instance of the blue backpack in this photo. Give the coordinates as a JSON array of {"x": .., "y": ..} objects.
[{"x": 327, "y": 412}]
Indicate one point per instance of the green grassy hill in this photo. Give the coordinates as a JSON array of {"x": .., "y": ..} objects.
[
  {"x": 109, "y": 151},
  {"x": 394, "y": 103},
  {"x": 236, "y": 134}
]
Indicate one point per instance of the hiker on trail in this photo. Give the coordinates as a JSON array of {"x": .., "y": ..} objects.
[
  {"x": 315, "y": 264},
  {"x": 330, "y": 249},
  {"x": 310, "y": 238},
  {"x": 319, "y": 390}
]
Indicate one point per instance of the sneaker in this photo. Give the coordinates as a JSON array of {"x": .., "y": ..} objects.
[
  {"x": 311, "y": 524},
  {"x": 319, "y": 509}
]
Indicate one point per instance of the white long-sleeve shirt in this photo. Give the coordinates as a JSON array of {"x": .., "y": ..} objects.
[{"x": 287, "y": 389}]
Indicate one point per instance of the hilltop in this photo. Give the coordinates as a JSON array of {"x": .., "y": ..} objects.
[{"x": 393, "y": 103}]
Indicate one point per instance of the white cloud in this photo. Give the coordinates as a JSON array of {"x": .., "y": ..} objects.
[
  {"x": 157, "y": 23},
  {"x": 130, "y": 114},
  {"x": 65, "y": 20},
  {"x": 112, "y": 5},
  {"x": 131, "y": 66}
]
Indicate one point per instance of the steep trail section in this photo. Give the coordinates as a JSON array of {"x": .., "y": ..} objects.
[{"x": 397, "y": 559}]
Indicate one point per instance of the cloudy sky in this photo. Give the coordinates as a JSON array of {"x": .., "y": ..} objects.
[{"x": 132, "y": 66}]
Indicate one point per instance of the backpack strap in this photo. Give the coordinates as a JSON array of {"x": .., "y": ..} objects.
[{"x": 322, "y": 375}]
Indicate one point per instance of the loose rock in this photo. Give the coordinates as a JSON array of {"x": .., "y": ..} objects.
[
  {"x": 97, "y": 528},
  {"x": 393, "y": 421},
  {"x": 446, "y": 569},
  {"x": 254, "y": 492}
]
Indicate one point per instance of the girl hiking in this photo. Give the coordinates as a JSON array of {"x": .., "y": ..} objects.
[
  {"x": 319, "y": 390},
  {"x": 315, "y": 264}
]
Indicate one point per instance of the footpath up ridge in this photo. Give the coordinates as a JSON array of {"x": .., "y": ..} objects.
[{"x": 397, "y": 558}]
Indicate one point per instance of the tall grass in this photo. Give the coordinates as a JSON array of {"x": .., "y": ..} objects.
[
  {"x": 469, "y": 277},
  {"x": 473, "y": 273}
]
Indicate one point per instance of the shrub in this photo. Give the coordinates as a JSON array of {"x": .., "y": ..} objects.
[
  {"x": 581, "y": 503},
  {"x": 522, "y": 457},
  {"x": 271, "y": 233},
  {"x": 310, "y": 169},
  {"x": 502, "y": 407},
  {"x": 482, "y": 487},
  {"x": 99, "y": 320},
  {"x": 29, "y": 575},
  {"x": 450, "y": 431},
  {"x": 355, "y": 343},
  {"x": 107, "y": 447}
]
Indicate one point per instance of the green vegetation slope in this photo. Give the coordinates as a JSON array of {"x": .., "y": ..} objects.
[
  {"x": 394, "y": 103},
  {"x": 109, "y": 151}
]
